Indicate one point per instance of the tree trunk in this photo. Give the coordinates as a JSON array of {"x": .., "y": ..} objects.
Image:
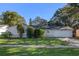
[{"x": 20, "y": 35}]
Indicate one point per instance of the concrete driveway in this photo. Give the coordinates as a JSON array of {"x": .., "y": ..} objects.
[{"x": 71, "y": 41}]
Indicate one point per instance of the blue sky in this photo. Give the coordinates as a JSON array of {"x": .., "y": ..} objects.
[{"x": 31, "y": 10}]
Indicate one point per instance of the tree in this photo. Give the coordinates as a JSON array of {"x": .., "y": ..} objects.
[
  {"x": 39, "y": 22},
  {"x": 66, "y": 15},
  {"x": 30, "y": 32},
  {"x": 30, "y": 22},
  {"x": 11, "y": 18},
  {"x": 73, "y": 4},
  {"x": 50, "y": 23},
  {"x": 20, "y": 29}
]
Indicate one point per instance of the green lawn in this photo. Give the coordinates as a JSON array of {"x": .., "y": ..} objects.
[
  {"x": 40, "y": 41},
  {"x": 21, "y": 51}
]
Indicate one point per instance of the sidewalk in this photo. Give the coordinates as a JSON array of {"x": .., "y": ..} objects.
[{"x": 39, "y": 46}]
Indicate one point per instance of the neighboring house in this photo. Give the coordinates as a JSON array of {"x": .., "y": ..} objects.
[{"x": 12, "y": 29}]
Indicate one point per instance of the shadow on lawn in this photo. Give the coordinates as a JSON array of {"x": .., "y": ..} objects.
[{"x": 20, "y": 51}]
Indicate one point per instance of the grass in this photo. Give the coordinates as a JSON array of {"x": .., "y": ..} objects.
[
  {"x": 21, "y": 51},
  {"x": 39, "y": 41}
]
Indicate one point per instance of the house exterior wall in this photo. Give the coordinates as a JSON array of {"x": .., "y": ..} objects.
[
  {"x": 3, "y": 29},
  {"x": 12, "y": 29},
  {"x": 58, "y": 33}
]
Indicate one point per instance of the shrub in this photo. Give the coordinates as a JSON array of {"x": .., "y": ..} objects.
[
  {"x": 6, "y": 34},
  {"x": 64, "y": 43},
  {"x": 38, "y": 33},
  {"x": 30, "y": 32}
]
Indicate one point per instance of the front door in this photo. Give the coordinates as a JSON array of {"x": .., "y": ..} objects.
[{"x": 77, "y": 33}]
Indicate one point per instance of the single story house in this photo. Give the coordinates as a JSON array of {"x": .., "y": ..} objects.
[{"x": 49, "y": 32}]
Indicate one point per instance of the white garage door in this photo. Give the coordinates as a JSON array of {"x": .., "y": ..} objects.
[{"x": 58, "y": 33}]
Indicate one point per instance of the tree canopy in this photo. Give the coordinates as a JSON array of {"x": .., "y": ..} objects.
[
  {"x": 66, "y": 16},
  {"x": 12, "y": 18},
  {"x": 39, "y": 22}
]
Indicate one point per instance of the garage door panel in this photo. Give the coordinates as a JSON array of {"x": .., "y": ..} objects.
[{"x": 59, "y": 33}]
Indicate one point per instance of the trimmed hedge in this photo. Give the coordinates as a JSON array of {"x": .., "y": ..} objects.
[
  {"x": 34, "y": 33},
  {"x": 38, "y": 33},
  {"x": 6, "y": 35},
  {"x": 30, "y": 32}
]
